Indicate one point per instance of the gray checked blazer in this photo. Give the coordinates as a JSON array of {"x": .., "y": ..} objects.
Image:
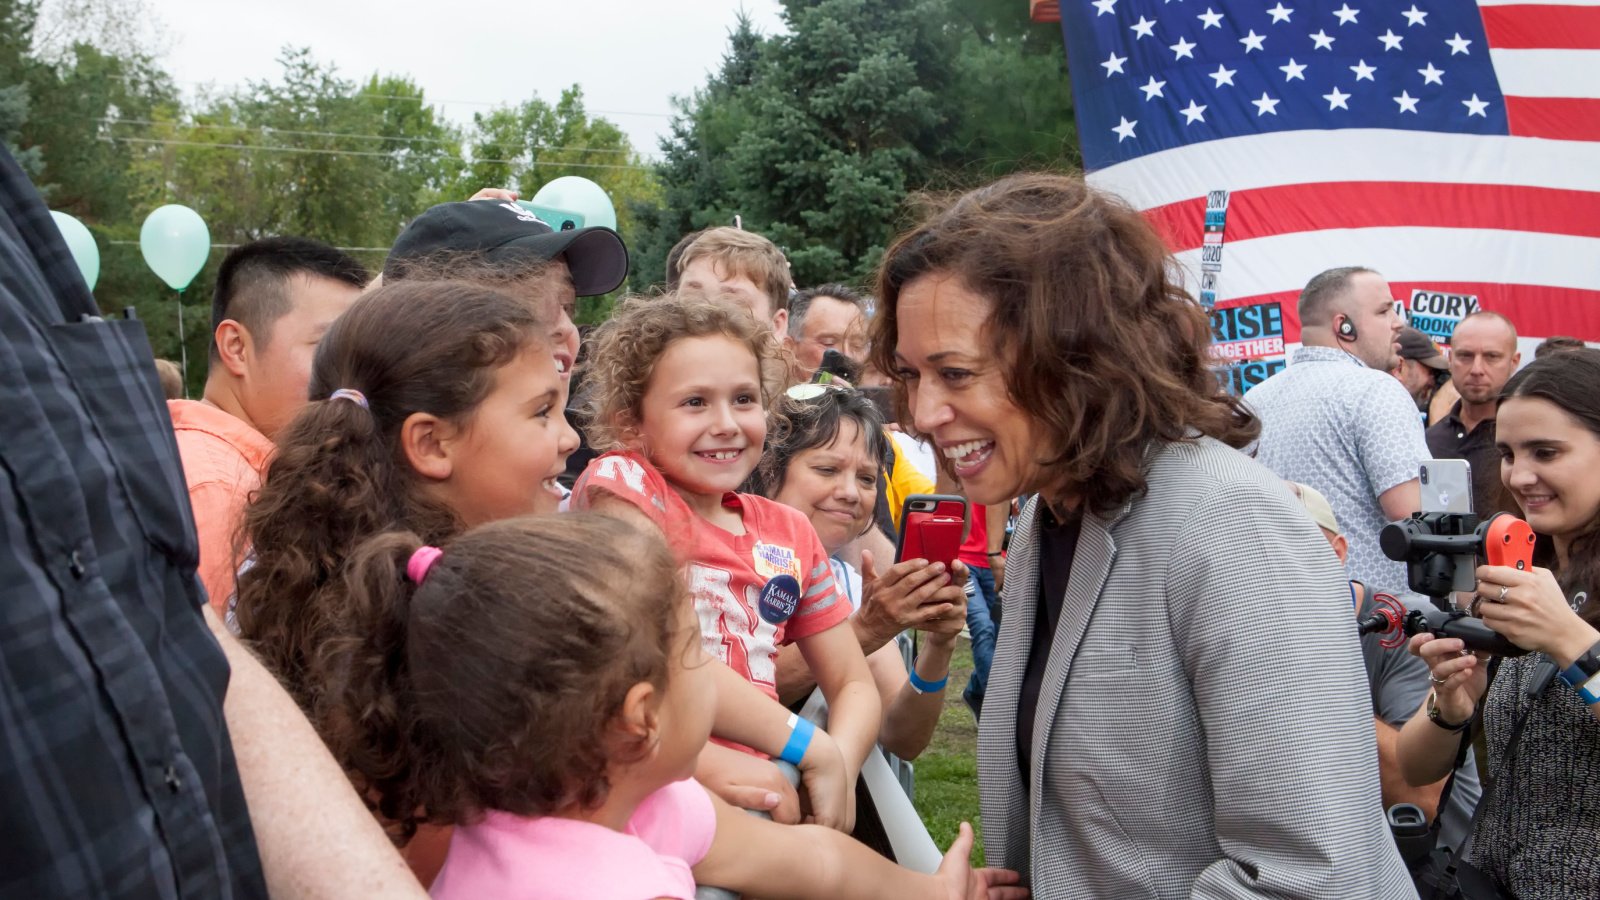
[{"x": 1203, "y": 727}]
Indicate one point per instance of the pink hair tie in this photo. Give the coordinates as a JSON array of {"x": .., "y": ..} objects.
[
  {"x": 351, "y": 394},
  {"x": 421, "y": 561}
]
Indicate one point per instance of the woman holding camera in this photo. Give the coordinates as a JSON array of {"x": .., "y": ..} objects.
[
  {"x": 1537, "y": 831},
  {"x": 1152, "y": 726}
]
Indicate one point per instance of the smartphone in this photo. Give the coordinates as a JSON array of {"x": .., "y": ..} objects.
[
  {"x": 1446, "y": 486},
  {"x": 932, "y": 527},
  {"x": 839, "y": 366}
]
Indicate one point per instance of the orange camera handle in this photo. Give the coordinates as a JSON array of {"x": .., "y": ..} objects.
[{"x": 1508, "y": 541}]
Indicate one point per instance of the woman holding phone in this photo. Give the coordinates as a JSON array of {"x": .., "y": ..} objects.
[
  {"x": 1151, "y": 728},
  {"x": 1537, "y": 832}
]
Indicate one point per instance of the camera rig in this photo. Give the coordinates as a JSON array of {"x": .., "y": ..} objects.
[{"x": 1441, "y": 552}]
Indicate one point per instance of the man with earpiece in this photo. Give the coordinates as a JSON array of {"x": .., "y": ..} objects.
[{"x": 1335, "y": 418}]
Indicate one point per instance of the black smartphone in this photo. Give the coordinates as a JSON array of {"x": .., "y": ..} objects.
[{"x": 839, "y": 366}]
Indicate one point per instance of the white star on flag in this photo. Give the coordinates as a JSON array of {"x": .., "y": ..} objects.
[
  {"x": 1458, "y": 44},
  {"x": 1224, "y": 75},
  {"x": 1194, "y": 113},
  {"x": 1105, "y": 6},
  {"x": 1183, "y": 48},
  {"x": 1143, "y": 28},
  {"x": 1408, "y": 103},
  {"x": 1252, "y": 41},
  {"x": 1415, "y": 16},
  {"x": 1153, "y": 88},
  {"x": 1113, "y": 65},
  {"x": 1266, "y": 105},
  {"x": 1391, "y": 41},
  {"x": 1346, "y": 14},
  {"x": 1476, "y": 107},
  {"x": 1125, "y": 130},
  {"x": 1211, "y": 18},
  {"x": 1322, "y": 40},
  {"x": 1336, "y": 100},
  {"x": 1363, "y": 71},
  {"x": 1293, "y": 70},
  {"x": 1280, "y": 13},
  {"x": 1430, "y": 75}
]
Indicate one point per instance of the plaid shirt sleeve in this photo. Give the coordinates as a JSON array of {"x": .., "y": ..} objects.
[{"x": 116, "y": 778}]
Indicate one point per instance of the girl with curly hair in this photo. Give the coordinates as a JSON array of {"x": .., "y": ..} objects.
[{"x": 682, "y": 388}]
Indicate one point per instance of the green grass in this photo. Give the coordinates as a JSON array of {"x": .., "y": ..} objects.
[{"x": 947, "y": 772}]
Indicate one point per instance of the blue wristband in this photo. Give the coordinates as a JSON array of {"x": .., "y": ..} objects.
[
  {"x": 927, "y": 687},
  {"x": 799, "y": 740},
  {"x": 1587, "y": 686}
]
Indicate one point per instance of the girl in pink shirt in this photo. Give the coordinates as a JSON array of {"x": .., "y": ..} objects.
[{"x": 539, "y": 683}]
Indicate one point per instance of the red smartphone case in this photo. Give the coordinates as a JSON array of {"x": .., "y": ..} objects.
[{"x": 932, "y": 527}]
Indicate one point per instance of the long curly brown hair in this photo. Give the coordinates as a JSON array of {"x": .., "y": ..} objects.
[
  {"x": 494, "y": 684},
  {"x": 1097, "y": 338},
  {"x": 623, "y": 353},
  {"x": 340, "y": 474}
]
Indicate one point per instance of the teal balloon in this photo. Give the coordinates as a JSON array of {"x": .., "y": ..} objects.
[
  {"x": 175, "y": 242},
  {"x": 85, "y": 252},
  {"x": 581, "y": 196}
]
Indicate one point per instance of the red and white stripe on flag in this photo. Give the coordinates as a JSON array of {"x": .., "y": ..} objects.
[{"x": 1512, "y": 219}]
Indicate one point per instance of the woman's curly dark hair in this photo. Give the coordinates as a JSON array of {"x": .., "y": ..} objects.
[
  {"x": 340, "y": 474},
  {"x": 493, "y": 684},
  {"x": 808, "y": 424},
  {"x": 1097, "y": 338}
]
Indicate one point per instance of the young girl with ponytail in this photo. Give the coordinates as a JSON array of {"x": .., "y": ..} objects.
[{"x": 539, "y": 684}]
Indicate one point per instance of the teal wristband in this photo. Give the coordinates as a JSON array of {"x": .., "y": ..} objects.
[
  {"x": 799, "y": 740},
  {"x": 927, "y": 687}
]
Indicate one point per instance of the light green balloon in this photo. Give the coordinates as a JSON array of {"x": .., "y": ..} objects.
[
  {"x": 580, "y": 195},
  {"x": 175, "y": 242},
  {"x": 85, "y": 252}
]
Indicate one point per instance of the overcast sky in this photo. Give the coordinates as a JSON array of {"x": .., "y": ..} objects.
[{"x": 630, "y": 56}]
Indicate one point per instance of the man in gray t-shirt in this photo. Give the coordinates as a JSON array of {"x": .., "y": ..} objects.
[{"x": 1398, "y": 683}]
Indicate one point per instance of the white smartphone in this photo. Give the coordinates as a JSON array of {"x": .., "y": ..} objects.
[{"x": 1446, "y": 486}]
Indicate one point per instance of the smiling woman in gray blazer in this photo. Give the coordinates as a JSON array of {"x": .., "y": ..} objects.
[{"x": 1177, "y": 705}]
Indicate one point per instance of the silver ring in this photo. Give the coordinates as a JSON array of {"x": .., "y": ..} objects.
[
  {"x": 1503, "y": 591},
  {"x": 1436, "y": 680}
]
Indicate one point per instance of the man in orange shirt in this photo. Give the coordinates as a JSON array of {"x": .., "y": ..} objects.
[{"x": 274, "y": 300}]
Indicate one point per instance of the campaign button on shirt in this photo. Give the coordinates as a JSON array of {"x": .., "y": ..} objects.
[{"x": 779, "y": 599}]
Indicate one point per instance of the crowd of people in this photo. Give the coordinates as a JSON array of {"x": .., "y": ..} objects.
[{"x": 544, "y": 610}]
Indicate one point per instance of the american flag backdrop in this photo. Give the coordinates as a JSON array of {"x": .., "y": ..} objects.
[{"x": 1453, "y": 146}]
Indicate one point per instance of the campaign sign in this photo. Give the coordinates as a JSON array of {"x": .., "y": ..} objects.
[
  {"x": 1241, "y": 333},
  {"x": 1208, "y": 291},
  {"x": 1243, "y": 377},
  {"x": 1436, "y": 314},
  {"x": 1247, "y": 344},
  {"x": 779, "y": 599}
]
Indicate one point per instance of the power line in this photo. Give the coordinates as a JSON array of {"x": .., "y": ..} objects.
[
  {"x": 333, "y": 134},
  {"x": 383, "y": 153},
  {"x": 412, "y": 99}
]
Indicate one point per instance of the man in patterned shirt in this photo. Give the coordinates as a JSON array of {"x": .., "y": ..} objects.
[{"x": 1336, "y": 420}]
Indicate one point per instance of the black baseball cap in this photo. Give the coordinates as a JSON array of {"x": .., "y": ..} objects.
[
  {"x": 502, "y": 230},
  {"x": 1418, "y": 346}
]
